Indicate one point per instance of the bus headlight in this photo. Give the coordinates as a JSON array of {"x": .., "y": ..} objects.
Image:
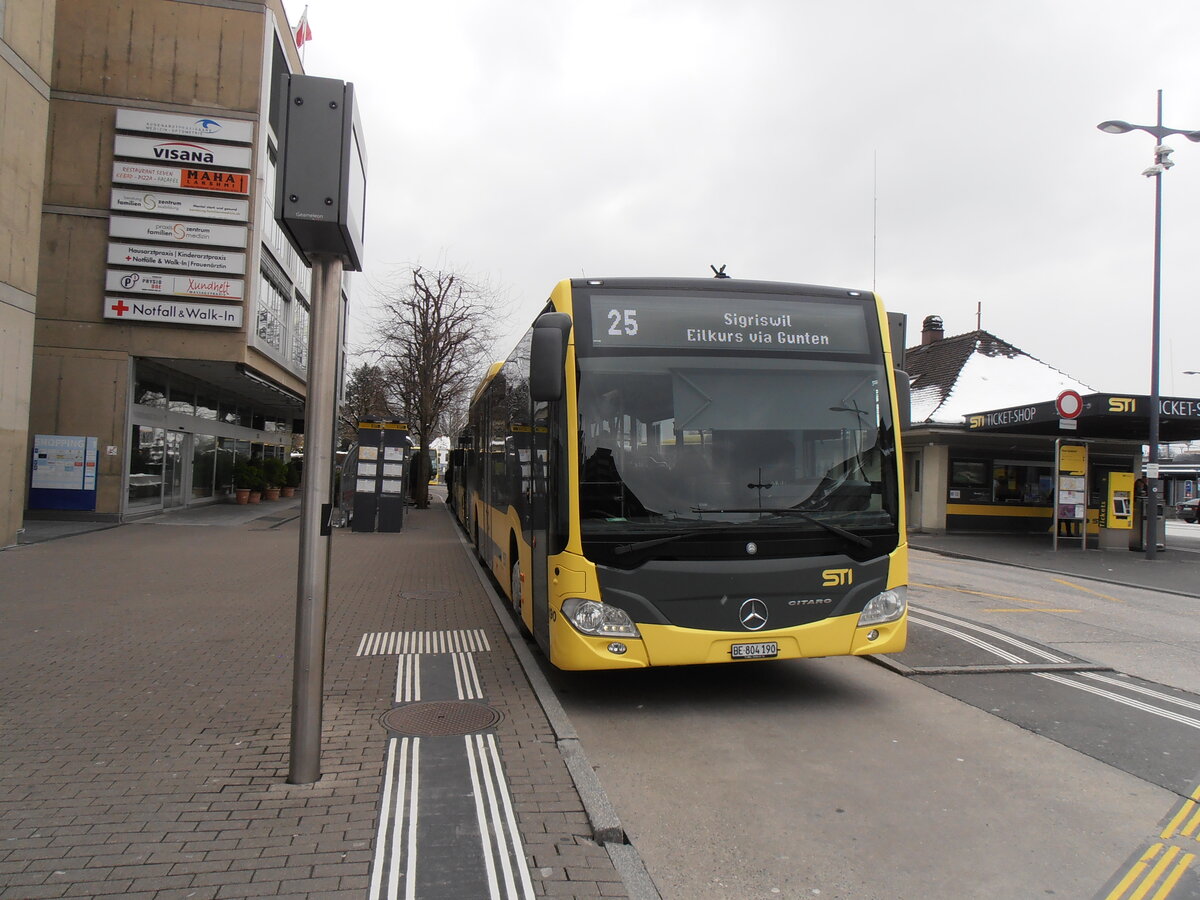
[
  {"x": 599, "y": 619},
  {"x": 885, "y": 607}
]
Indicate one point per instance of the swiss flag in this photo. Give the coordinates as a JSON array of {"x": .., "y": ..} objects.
[{"x": 303, "y": 32}]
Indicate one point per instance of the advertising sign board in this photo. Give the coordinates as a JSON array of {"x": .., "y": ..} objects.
[
  {"x": 211, "y": 287},
  {"x": 193, "y": 206},
  {"x": 211, "y": 127},
  {"x": 196, "y": 260},
  {"x": 187, "y": 152},
  {"x": 184, "y": 232},
  {"x": 173, "y": 312}
]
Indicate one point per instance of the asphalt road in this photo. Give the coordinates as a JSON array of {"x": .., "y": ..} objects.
[{"x": 843, "y": 778}]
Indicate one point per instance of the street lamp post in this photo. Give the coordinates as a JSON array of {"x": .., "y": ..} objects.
[{"x": 1162, "y": 162}]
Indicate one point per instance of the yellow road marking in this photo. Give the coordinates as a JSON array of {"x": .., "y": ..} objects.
[
  {"x": 1155, "y": 873},
  {"x": 1037, "y": 610},
  {"x": 1163, "y": 892},
  {"x": 1192, "y": 826},
  {"x": 1087, "y": 590},
  {"x": 1172, "y": 828},
  {"x": 1132, "y": 875},
  {"x": 958, "y": 590}
]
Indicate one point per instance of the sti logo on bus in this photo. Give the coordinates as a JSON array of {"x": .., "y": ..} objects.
[
  {"x": 1122, "y": 404},
  {"x": 837, "y": 577}
]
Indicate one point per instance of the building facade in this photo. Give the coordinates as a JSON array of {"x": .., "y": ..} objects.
[
  {"x": 26, "y": 53},
  {"x": 172, "y": 316}
]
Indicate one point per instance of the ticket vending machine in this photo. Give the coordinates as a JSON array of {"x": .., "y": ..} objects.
[{"x": 1120, "y": 500}]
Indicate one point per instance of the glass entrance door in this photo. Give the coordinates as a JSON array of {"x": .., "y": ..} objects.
[{"x": 176, "y": 469}]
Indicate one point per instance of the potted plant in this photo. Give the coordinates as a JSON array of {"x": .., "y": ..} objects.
[
  {"x": 274, "y": 472},
  {"x": 292, "y": 478},
  {"x": 247, "y": 480}
]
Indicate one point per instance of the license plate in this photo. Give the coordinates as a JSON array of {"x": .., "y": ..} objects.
[{"x": 765, "y": 650}]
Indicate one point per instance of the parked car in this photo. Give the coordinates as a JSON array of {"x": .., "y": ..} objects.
[{"x": 1189, "y": 510}]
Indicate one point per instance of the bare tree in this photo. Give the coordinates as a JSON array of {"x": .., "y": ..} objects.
[
  {"x": 436, "y": 332},
  {"x": 366, "y": 398}
]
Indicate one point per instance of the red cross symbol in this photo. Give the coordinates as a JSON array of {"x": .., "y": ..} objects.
[{"x": 120, "y": 308}]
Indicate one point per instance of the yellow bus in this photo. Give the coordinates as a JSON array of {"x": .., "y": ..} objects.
[{"x": 685, "y": 471}]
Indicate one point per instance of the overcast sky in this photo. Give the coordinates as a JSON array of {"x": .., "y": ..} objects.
[{"x": 944, "y": 153}]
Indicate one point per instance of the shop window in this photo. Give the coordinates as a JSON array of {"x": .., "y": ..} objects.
[
  {"x": 271, "y": 313},
  {"x": 1022, "y": 482},
  {"x": 183, "y": 399},
  {"x": 149, "y": 390},
  {"x": 300, "y": 336},
  {"x": 206, "y": 408}
]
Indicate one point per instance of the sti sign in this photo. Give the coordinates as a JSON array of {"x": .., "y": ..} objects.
[{"x": 321, "y": 185}]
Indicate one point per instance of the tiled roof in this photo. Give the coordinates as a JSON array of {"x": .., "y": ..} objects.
[
  {"x": 1001, "y": 375},
  {"x": 939, "y": 363}
]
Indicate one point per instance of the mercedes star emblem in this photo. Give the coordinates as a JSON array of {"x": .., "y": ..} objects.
[{"x": 753, "y": 614}]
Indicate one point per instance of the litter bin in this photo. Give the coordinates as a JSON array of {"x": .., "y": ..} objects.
[{"x": 1137, "y": 536}]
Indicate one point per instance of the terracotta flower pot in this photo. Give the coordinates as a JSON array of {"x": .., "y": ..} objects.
[{"x": 241, "y": 495}]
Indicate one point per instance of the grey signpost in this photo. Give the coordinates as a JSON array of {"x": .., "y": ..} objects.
[{"x": 320, "y": 200}]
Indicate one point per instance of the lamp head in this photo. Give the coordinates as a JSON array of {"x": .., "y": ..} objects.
[{"x": 1116, "y": 126}]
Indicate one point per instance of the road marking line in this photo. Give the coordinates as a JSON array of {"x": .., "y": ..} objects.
[
  {"x": 1154, "y": 874},
  {"x": 1087, "y": 590},
  {"x": 1163, "y": 892},
  {"x": 389, "y": 837},
  {"x": 503, "y": 851},
  {"x": 1138, "y": 689},
  {"x": 1027, "y": 610},
  {"x": 1187, "y": 807},
  {"x": 1127, "y": 701},
  {"x": 408, "y": 678},
  {"x": 958, "y": 590},
  {"x": 1136, "y": 870},
  {"x": 387, "y": 643}
]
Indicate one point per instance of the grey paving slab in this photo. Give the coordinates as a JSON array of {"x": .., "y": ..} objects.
[{"x": 146, "y": 690}]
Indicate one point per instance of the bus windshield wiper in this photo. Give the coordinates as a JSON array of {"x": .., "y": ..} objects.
[
  {"x": 801, "y": 514},
  {"x": 622, "y": 549}
]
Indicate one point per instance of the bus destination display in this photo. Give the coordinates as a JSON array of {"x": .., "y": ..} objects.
[{"x": 728, "y": 323}]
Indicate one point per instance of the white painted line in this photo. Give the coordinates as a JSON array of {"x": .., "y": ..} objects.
[
  {"x": 393, "y": 825},
  {"x": 498, "y": 829},
  {"x": 1059, "y": 679},
  {"x": 386, "y": 643},
  {"x": 481, "y": 818},
  {"x": 411, "y": 892},
  {"x": 510, "y": 818},
  {"x": 408, "y": 678}
]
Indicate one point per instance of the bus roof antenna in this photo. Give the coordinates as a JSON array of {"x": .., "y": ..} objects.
[{"x": 719, "y": 273}]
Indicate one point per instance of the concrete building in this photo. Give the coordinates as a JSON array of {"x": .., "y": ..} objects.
[
  {"x": 26, "y": 47},
  {"x": 171, "y": 314}
]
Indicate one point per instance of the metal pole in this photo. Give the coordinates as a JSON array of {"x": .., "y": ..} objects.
[
  {"x": 312, "y": 592},
  {"x": 1152, "y": 486}
]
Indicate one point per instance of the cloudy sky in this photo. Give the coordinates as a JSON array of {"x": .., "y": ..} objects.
[{"x": 942, "y": 152}]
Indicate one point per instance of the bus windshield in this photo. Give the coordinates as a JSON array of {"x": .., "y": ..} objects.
[{"x": 685, "y": 440}]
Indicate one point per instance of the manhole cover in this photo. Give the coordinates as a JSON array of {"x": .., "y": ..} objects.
[{"x": 440, "y": 717}]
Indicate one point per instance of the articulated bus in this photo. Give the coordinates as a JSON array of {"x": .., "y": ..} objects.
[{"x": 685, "y": 471}]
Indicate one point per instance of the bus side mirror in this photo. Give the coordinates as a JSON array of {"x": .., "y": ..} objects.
[
  {"x": 548, "y": 357},
  {"x": 903, "y": 399}
]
